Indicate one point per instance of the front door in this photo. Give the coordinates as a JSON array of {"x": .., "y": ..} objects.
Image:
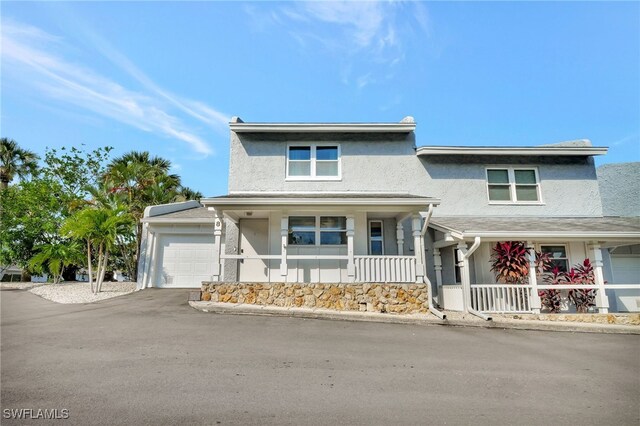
[{"x": 254, "y": 240}]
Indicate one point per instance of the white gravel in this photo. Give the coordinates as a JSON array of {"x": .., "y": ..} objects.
[
  {"x": 22, "y": 285},
  {"x": 80, "y": 292}
]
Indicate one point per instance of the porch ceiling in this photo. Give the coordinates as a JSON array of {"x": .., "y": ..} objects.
[{"x": 584, "y": 228}]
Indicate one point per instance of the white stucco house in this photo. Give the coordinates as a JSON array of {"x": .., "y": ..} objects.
[{"x": 361, "y": 202}]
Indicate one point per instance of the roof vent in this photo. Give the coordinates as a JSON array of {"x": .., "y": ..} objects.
[
  {"x": 236, "y": 119},
  {"x": 408, "y": 119}
]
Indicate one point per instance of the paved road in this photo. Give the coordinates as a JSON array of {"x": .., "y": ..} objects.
[{"x": 148, "y": 358}]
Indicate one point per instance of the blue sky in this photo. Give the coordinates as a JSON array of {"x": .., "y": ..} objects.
[{"x": 166, "y": 77}]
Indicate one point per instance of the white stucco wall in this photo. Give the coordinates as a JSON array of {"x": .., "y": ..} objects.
[
  {"x": 388, "y": 163},
  {"x": 620, "y": 188},
  {"x": 569, "y": 187},
  {"x": 375, "y": 162}
]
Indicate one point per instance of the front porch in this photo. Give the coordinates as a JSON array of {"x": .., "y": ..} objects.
[
  {"x": 319, "y": 238},
  {"x": 462, "y": 250}
]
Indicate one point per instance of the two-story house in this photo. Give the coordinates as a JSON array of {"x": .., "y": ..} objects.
[{"x": 360, "y": 203}]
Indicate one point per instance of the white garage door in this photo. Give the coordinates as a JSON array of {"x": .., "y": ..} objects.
[
  {"x": 184, "y": 261},
  {"x": 626, "y": 270}
]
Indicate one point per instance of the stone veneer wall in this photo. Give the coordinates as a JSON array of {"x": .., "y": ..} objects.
[{"x": 395, "y": 298}]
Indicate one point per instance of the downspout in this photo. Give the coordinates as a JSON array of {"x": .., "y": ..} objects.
[
  {"x": 426, "y": 280},
  {"x": 467, "y": 256}
]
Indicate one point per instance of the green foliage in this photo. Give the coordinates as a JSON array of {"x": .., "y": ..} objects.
[
  {"x": 76, "y": 170},
  {"x": 15, "y": 161},
  {"x": 32, "y": 212},
  {"x": 53, "y": 258}
]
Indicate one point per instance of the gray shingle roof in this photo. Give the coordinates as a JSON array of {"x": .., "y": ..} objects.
[
  {"x": 197, "y": 213},
  {"x": 471, "y": 225}
]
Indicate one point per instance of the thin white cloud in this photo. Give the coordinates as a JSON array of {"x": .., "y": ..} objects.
[
  {"x": 366, "y": 35},
  {"x": 34, "y": 58}
]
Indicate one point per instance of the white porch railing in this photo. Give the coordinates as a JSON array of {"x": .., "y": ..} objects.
[
  {"x": 385, "y": 269},
  {"x": 499, "y": 298},
  {"x": 516, "y": 298}
]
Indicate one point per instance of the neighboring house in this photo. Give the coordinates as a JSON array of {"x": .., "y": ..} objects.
[
  {"x": 358, "y": 202},
  {"x": 10, "y": 273},
  {"x": 620, "y": 192}
]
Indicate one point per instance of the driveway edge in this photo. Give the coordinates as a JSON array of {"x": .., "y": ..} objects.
[{"x": 415, "y": 319}]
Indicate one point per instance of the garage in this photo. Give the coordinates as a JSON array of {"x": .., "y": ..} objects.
[
  {"x": 625, "y": 269},
  {"x": 184, "y": 261}
]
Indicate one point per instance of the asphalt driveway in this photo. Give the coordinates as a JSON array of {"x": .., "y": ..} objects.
[{"x": 148, "y": 358}]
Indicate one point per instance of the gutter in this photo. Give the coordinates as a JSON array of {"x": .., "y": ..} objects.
[
  {"x": 425, "y": 279},
  {"x": 467, "y": 256}
]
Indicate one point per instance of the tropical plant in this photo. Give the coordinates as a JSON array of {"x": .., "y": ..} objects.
[
  {"x": 53, "y": 258},
  {"x": 583, "y": 299},
  {"x": 142, "y": 180},
  {"x": 15, "y": 161},
  {"x": 99, "y": 228},
  {"x": 509, "y": 261},
  {"x": 551, "y": 299}
]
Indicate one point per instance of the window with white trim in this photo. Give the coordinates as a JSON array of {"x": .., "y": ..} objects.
[
  {"x": 558, "y": 255},
  {"x": 376, "y": 238},
  {"x": 317, "y": 230},
  {"x": 456, "y": 266},
  {"x": 313, "y": 161},
  {"x": 513, "y": 185}
]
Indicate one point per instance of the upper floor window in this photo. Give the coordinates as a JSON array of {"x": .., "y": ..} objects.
[
  {"x": 313, "y": 161},
  {"x": 513, "y": 185}
]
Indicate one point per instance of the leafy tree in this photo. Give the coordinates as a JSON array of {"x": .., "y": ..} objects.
[
  {"x": 15, "y": 161},
  {"x": 53, "y": 258},
  {"x": 76, "y": 170},
  {"x": 31, "y": 216}
]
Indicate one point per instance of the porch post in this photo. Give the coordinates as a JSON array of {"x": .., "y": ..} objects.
[
  {"x": 463, "y": 264},
  {"x": 217, "y": 237},
  {"x": 602, "y": 301},
  {"x": 400, "y": 238},
  {"x": 284, "y": 234},
  {"x": 416, "y": 227},
  {"x": 534, "y": 297},
  {"x": 437, "y": 262},
  {"x": 351, "y": 264}
]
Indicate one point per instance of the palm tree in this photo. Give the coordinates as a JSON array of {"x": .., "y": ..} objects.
[
  {"x": 143, "y": 180},
  {"x": 15, "y": 161},
  {"x": 53, "y": 258},
  {"x": 185, "y": 194},
  {"x": 100, "y": 229}
]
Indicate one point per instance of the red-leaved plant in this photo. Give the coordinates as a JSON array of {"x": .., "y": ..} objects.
[
  {"x": 551, "y": 299},
  {"x": 583, "y": 299},
  {"x": 509, "y": 261}
]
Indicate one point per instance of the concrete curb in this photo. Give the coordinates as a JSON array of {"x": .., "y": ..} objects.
[{"x": 415, "y": 319}]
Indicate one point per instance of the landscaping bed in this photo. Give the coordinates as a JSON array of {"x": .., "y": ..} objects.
[{"x": 80, "y": 292}]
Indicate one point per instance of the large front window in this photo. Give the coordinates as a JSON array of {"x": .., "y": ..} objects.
[
  {"x": 313, "y": 161},
  {"x": 311, "y": 230},
  {"x": 513, "y": 185}
]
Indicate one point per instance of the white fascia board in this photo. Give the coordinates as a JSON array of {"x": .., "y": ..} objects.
[
  {"x": 511, "y": 150},
  {"x": 555, "y": 235},
  {"x": 320, "y": 201},
  {"x": 537, "y": 235},
  {"x": 322, "y": 127}
]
